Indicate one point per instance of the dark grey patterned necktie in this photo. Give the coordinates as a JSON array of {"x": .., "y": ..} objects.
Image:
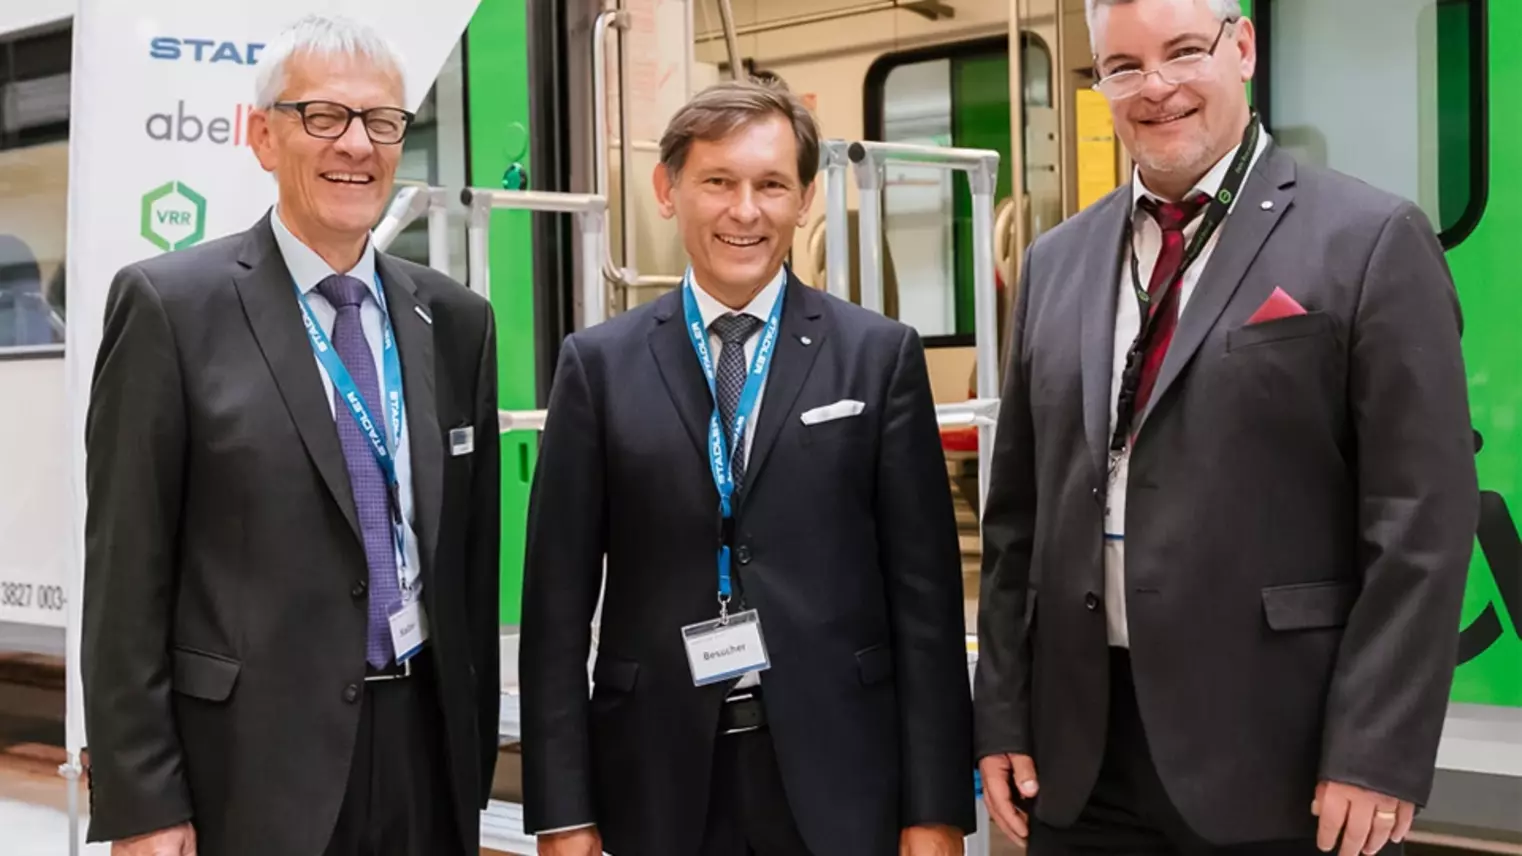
[{"x": 733, "y": 331}]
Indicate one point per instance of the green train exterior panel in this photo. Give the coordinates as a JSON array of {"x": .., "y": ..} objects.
[{"x": 496, "y": 60}]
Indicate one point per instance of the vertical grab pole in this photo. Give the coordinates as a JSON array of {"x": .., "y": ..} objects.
[
  {"x": 985, "y": 308},
  {"x": 837, "y": 221},
  {"x": 438, "y": 231},
  {"x": 594, "y": 297},
  {"x": 869, "y": 181},
  {"x": 476, "y": 241}
]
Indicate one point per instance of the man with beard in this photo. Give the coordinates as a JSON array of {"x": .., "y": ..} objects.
[{"x": 1234, "y": 492}]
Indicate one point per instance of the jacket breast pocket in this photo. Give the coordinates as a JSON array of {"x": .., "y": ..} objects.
[
  {"x": 1309, "y": 606},
  {"x": 1305, "y": 326},
  {"x": 209, "y": 677},
  {"x": 841, "y": 429}
]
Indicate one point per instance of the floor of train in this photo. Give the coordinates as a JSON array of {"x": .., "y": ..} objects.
[{"x": 34, "y": 798}]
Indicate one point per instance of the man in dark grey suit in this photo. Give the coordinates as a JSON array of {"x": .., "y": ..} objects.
[
  {"x": 1234, "y": 493},
  {"x": 290, "y": 607},
  {"x": 784, "y": 672}
]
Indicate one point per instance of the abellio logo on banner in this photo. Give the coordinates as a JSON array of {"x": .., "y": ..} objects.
[{"x": 159, "y": 157}]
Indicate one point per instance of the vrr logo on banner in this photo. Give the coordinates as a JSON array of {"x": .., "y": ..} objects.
[{"x": 174, "y": 216}]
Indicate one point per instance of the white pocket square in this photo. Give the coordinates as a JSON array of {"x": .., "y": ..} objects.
[{"x": 830, "y": 412}]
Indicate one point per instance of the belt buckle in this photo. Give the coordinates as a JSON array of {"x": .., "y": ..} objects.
[
  {"x": 741, "y": 696},
  {"x": 393, "y": 676}
]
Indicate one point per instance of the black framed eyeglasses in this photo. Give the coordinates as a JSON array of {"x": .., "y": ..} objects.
[
  {"x": 329, "y": 120},
  {"x": 1174, "y": 72}
]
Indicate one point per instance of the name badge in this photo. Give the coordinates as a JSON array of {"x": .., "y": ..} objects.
[
  {"x": 717, "y": 651},
  {"x": 409, "y": 630},
  {"x": 462, "y": 441}
]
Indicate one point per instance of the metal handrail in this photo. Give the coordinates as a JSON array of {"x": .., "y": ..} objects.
[
  {"x": 974, "y": 412},
  {"x": 982, "y": 168},
  {"x": 591, "y": 213},
  {"x": 410, "y": 203},
  {"x": 834, "y": 161}
]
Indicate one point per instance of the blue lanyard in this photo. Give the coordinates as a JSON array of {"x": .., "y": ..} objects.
[
  {"x": 720, "y": 457},
  {"x": 360, "y": 410}
]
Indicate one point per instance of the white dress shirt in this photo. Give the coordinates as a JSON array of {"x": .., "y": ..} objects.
[
  {"x": 1147, "y": 242},
  {"x": 760, "y": 306},
  {"x": 308, "y": 269}
]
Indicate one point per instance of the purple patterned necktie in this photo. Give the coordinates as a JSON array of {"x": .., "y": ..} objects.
[{"x": 366, "y": 478}]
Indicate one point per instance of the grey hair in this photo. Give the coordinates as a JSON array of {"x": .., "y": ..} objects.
[
  {"x": 724, "y": 108},
  {"x": 323, "y": 36},
  {"x": 1224, "y": 10}
]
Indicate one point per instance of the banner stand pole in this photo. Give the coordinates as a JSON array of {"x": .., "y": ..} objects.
[{"x": 71, "y": 772}]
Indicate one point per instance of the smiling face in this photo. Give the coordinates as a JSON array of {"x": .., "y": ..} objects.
[
  {"x": 737, "y": 201},
  {"x": 330, "y": 190},
  {"x": 1176, "y": 132}
]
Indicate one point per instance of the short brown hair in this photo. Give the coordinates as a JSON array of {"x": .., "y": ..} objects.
[{"x": 723, "y": 108}]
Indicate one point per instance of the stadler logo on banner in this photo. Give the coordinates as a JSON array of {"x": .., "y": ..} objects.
[
  {"x": 174, "y": 216},
  {"x": 204, "y": 50}
]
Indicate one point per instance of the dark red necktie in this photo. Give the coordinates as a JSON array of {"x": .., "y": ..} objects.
[{"x": 1171, "y": 217}]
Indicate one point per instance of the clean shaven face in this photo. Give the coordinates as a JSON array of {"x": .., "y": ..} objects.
[
  {"x": 329, "y": 188},
  {"x": 737, "y": 202}
]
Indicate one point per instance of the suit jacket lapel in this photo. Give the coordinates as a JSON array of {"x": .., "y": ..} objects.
[
  {"x": 414, "y": 339},
  {"x": 1099, "y": 278},
  {"x": 269, "y": 301},
  {"x": 802, "y": 318},
  {"x": 1241, "y": 237},
  {"x": 679, "y": 368}
]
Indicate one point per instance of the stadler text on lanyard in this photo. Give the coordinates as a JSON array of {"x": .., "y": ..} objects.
[
  {"x": 372, "y": 428},
  {"x": 720, "y": 452}
]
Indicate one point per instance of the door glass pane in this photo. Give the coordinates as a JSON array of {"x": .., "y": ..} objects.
[
  {"x": 1397, "y": 71},
  {"x": 917, "y": 201}
]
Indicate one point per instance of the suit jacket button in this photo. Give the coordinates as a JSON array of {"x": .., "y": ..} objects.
[
  {"x": 351, "y": 693},
  {"x": 359, "y": 589},
  {"x": 1091, "y": 601},
  {"x": 742, "y": 555}
]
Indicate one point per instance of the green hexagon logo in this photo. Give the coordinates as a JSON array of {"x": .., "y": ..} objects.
[{"x": 174, "y": 216}]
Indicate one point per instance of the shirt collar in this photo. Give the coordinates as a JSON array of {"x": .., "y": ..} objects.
[
  {"x": 760, "y": 305},
  {"x": 308, "y": 269},
  {"x": 1209, "y": 183}
]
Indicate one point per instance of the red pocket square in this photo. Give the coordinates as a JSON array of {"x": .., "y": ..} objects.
[{"x": 1278, "y": 305}]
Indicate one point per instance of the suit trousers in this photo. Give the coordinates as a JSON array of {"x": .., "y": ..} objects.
[
  {"x": 748, "y": 812},
  {"x": 1129, "y": 811},
  {"x": 397, "y": 801}
]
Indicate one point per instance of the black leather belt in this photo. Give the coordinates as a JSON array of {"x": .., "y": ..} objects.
[
  {"x": 742, "y": 711},
  {"x": 393, "y": 672}
]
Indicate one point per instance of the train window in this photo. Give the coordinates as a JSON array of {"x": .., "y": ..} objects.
[
  {"x": 1408, "y": 74},
  {"x": 435, "y": 155},
  {"x": 947, "y": 95},
  {"x": 34, "y": 178}
]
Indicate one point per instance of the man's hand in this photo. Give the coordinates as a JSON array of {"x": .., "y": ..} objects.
[
  {"x": 998, "y": 772},
  {"x": 576, "y": 842},
  {"x": 930, "y": 841},
  {"x": 174, "y": 841},
  {"x": 1365, "y": 819}
]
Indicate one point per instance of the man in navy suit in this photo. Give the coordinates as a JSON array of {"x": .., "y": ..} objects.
[{"x": 781, "y": 667}]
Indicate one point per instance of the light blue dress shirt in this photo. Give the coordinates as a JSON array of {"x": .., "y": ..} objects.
[{"x": 308, "y": 270}]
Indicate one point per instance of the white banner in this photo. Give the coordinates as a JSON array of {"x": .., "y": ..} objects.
[{"x": 159, "y": 158}]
